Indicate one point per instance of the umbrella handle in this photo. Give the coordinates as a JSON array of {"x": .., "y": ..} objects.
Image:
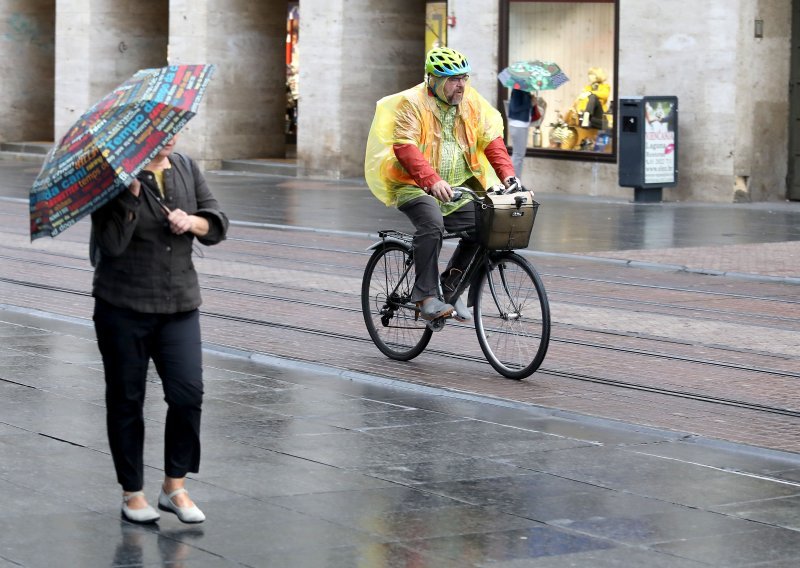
[{"x": 152, "y": 193}]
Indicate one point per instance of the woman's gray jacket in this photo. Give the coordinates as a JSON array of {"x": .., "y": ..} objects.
[{"x": 139, "y": 263}]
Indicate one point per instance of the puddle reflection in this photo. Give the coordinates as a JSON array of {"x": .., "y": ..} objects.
[{"x": 139, "y": 545}]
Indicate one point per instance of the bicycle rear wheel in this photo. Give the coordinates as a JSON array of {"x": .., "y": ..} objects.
[
  {"x": 512, "y": 316},
  {"x": 385, "y": 293}
]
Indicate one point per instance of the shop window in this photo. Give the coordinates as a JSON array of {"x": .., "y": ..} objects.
[
  {"x": 580, "y": 38},
  {"x": 292, "y": 94}
]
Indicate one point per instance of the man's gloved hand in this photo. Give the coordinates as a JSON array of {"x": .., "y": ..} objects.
[{"x": 513, "y": 182}]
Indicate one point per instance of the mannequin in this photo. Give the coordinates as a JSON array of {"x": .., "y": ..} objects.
[
  {"x": 592, "y": 103},
  {"x": 578, "y": 129}
]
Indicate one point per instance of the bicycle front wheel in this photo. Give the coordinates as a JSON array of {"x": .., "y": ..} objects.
[
  {"x": 512, "y": 316},
  {"x": 385, "y": 300}
]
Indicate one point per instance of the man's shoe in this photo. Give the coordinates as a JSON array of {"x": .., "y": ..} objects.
[
  {"x": 143, "y": 516},
  {"x": 186, "y": 514},
  {"x": 462, "y": 311},
  {"x": 432, "y": 308}
]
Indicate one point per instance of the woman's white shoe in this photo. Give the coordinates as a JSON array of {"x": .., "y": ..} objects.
[
  {"x": 142, "y": 516},
  {"x": 186, "y": 514}
]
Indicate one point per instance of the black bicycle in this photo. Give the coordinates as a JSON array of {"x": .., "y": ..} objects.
[{"x": 509, "y": 302}]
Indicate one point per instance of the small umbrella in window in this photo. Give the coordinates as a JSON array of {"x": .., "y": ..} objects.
[{"x": 532, "y": 76}]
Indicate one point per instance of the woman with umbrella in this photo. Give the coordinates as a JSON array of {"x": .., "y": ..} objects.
[
  {"x": 146, "y": 298},
  {"x": 523, "y": 109},
  {"x": 526, "y": 79}
]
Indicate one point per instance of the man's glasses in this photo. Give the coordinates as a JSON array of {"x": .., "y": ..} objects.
[{"x": 458, "y": 78}]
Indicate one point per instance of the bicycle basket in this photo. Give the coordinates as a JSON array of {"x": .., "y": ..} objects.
[{"x": 505, "y": 221}]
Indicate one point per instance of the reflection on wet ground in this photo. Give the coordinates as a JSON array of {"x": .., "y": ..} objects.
[
  {"x": 305, "y": 468},
  {"x": 565, "y": 224}
]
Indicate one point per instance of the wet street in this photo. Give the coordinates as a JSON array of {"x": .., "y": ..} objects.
[
  {"x": 566, "y": 224},
  {"x": 662, "y": 431}
]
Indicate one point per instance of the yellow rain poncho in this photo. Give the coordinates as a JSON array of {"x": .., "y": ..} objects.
[{"x": 477, "y": 124}]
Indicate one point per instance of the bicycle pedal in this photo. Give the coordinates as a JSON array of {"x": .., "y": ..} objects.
[{"x": 436, "y": 324}]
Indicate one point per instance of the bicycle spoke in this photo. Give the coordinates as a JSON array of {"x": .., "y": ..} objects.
[
  {"x": 514, "y": 324},
  {"x": 386, "y": 295}
]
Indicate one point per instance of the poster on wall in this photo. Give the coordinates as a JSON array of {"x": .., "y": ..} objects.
[
  {"x": 660, "y": 126},
  {"x": 435, "y": 25}
]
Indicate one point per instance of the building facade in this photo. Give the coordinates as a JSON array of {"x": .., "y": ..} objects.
[{"x": 729, "y": 63}]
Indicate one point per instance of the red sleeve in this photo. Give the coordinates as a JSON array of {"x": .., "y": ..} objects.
[
  {"x": 535, "y": 113},
  {"x": 416, "y": 165},
  {"x": 498, "y": 156}
]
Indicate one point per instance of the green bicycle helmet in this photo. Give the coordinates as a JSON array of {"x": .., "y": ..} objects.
[{"x": 446, "y": 62}]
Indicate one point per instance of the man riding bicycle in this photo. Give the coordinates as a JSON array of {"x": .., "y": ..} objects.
[{"x": 423, "y": 142}]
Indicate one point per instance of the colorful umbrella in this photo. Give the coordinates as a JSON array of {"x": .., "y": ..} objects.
[
  {"x": 532, "y": 76},
  {"x": 112, "y": 142}
]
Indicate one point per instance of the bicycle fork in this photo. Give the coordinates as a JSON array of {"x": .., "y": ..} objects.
[{"x": 517, "y": 312}]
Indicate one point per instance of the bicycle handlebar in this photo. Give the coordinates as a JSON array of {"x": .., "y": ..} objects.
[{"x": 459, "y": 191}]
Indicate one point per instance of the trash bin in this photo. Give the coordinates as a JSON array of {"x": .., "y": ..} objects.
[{"x": 648, "y": 145}]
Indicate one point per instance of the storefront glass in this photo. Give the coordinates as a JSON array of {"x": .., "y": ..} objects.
[
  {"x": 292, "y": 35},
  {"x": 568, "y": 51}
]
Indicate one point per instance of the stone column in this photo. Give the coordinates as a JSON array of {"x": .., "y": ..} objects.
[
  {"x": 351, "y": 53},
  {"x": 476, "y": 34},
  {"x": 760, "y": 104},
  {"x": 243, "y": 113},
  {"x": 27, "y": 30},
  {"x": 99, "y": 45},
  {"x": 72, "y": 79}
]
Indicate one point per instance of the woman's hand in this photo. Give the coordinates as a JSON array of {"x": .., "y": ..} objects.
[
  {"x": 181, "y": 222},
  {"x": 135, "y": 187}
]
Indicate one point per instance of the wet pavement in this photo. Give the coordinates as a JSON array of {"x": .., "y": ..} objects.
[
  {"x": 565, "y": 224},
  {"x": 306, "y": 467},
  {"x": 310, "y": 466}
]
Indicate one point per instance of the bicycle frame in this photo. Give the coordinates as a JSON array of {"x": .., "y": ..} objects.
[
  {"x": 512, "y": 316},
  {"x": 478, "y": 263},
  {"x": 405, "y": 240}
]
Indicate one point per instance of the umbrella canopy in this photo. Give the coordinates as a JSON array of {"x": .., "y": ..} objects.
[
  {"x": 111, "y": 142},
  {"x": 532, "y": 76}
]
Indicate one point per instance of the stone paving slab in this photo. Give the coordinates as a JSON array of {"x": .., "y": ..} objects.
[
  {"x": 779, "y": 260},
  {"x": 305, "y": 468},
  {"x": 308, "y": 466},
  {"x": 330, "y": 278}
]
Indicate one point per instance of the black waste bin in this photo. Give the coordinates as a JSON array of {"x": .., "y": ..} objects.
[{"x": 648, "y": 145}]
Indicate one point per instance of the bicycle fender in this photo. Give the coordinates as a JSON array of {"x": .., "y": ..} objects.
[
  {"x": 378, "y": 244},
  {"x": 473, "y": 290}
]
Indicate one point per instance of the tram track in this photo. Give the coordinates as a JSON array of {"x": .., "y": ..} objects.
[
  {"x": 352, "y": 310},
  {"x": 278, "y": 292},
  {"x": 364, "y": 254},
  {"x": 577, "y": 297},
  {"x": 561, "y": 374},
  {"x": 478, "y": 360}
]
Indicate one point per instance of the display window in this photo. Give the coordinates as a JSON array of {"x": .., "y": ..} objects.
[
  {"x": 292, "y": 94},
  {"x": 558, "y": 59}
]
